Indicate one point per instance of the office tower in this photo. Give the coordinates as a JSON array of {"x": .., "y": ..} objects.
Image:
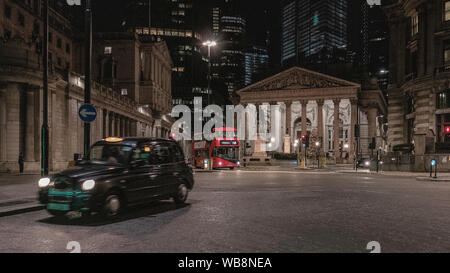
[
  {"x": 313, "y": 31},
  {"x": 229, "y": 31},
  {"x": 256, "y": 64}
]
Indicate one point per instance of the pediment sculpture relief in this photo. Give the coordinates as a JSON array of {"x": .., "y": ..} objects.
[{"x": 297, "y": 79}]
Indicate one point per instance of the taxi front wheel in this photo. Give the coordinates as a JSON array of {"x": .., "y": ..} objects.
[
  {"x": 181, "y": 195},
  {"x": 112, "y": 205}
]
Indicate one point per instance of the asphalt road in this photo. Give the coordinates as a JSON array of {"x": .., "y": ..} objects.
[{"x": 237, "y": 211}]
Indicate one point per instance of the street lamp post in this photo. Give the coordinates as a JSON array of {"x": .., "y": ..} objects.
[
  {"x": 209, "y": 44},
  {"x": 44, "y": 130},
  {"x": 87, "y": 66},
  {"x": 87, "y": 73}
]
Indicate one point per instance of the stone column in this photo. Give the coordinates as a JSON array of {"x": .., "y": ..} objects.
[
  {"x": 30, "y": 120},
  {"x": 372, "y": 114},
  {"x": 133, "y": 126},
  {"x": 337, "y": 103},
  {"x": 354, "y": 122},
  {"x": 272, "y": 120},
  {"x": 105, "y": 123},
  {"x": 130, "y": 128},
  {"x": 126, "y": 132},
  {"x": 288, "y": 117},
  {"x": 111, "y": 124},
  {"x": 304, "y": 117},
  {"x": 258, "y": 117},
  {"x": 117, "y": 125},
  {"x": 320, "y": 127},
  {"x": 2, "y": 125}
]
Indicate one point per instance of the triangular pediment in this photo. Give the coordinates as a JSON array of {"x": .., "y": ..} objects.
[{"x": 297, "y": 78}]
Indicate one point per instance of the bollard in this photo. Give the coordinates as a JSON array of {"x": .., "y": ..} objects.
[{"x": 433, "y": 163}]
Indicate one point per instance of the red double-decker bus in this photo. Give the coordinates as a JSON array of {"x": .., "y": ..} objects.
[{"x": 223, "y": 152}]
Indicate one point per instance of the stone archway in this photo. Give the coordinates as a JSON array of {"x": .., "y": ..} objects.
[{"x": 298, "y": 126}]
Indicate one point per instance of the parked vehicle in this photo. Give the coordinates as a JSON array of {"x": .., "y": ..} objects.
[
  {"x": 364, "y": 163},
  {"x": 119, "y": 173}
]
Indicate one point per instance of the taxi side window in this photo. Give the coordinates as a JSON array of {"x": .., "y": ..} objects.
[
  {"x": 177, "y": 153},
  {"x": 144, "y": 153},
  {"x": 161, "y": 154}
]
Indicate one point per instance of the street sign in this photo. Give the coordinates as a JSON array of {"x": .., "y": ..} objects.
[{"x": 87, "y": 113}]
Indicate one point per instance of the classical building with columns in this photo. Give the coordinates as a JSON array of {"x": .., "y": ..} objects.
[
  {"x": 131, "y": 88},
  {"x": 323, "y": 107},
  {"x": 419, "y": 84}
]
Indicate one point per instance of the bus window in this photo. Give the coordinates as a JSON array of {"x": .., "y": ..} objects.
[{"x": 228, "y": 154}]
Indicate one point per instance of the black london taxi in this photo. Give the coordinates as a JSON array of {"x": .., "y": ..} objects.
[{"x": 119, "y": 173}]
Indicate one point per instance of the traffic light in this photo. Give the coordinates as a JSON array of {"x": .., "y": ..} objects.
[
  {"x": 305, "y": 140},
  {"x": 373, "y": 145},
  {"x": 447, "y": 129},
  {"x": 357, "y": 134}
]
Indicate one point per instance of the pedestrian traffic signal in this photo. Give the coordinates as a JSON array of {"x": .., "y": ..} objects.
[{"x": 305, "y": 140}]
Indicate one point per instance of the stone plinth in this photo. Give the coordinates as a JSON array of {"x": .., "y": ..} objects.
[{"x": 259, "y": 156}]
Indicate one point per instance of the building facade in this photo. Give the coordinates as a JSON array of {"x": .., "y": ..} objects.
[
  {"x": 140, "y": 111},
  {"x": 323, "y": 107},
  {"x": 419, "y": 112},
  {"x": 174, "y": 22}
]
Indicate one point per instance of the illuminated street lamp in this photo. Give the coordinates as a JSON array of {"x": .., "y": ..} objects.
[{"x": 209, "y": 44}]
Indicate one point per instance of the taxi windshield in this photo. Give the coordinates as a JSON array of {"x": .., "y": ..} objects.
[{"x": 110, "y": 154}]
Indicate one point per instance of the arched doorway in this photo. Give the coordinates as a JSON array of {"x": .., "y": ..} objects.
[{"x": 298, "y": 127}]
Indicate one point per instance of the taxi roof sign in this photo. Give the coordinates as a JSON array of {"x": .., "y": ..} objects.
[{"x": 114, "y": 139}]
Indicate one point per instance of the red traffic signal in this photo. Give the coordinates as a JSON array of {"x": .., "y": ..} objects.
[
  {"x": 447, "y": 129},
  {"x": 304, "y": 137}
]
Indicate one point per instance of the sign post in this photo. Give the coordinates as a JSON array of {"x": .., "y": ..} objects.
[
  {"x": 87, "y": 114},
  {"x": 44, "y": 129}
]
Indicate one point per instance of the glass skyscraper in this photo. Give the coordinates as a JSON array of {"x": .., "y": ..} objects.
[
  {"x": 313, "y": 31},
  {"x": 256, "y": 64}
]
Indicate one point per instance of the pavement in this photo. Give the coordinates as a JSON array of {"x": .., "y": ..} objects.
[
  {"x": 18, "y": 193},
  {"x": 245, "y": 211}
]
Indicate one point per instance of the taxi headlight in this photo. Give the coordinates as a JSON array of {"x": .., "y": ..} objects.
[
  {"x": 44, "y": 182},
  {"x": 88, "y": 185}
]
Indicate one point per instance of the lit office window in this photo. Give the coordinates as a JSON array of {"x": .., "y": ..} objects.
[
  {"x": 447, "y": 52},
  {"x": 414, "y": 24},
  {"x": 108, "y": 50}
]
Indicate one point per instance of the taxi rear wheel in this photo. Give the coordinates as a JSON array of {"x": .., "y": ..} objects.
[
  {"x": 112, "y": 206},
  {"x": 181, "y": 195}
]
